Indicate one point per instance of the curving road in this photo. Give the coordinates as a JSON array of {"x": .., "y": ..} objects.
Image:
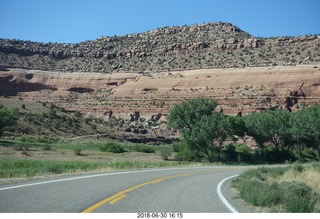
[{"x": 187, "y": 190}]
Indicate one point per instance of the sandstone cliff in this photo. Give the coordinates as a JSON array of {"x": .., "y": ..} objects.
[{"x": 96, "y": 94}]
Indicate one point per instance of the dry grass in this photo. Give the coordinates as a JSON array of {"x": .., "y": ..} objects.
[
  {"x": 69, "y": 155},
  {"x": 282, "y": 189},
  {"x": 309, "y": 175},
  {"x": 26, "y": 162}
]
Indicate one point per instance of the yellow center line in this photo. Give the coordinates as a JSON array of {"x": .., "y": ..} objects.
[
  {"x": 162, "y": 179},
  {"x": 122, "y": 194},
  {"x": 117, "y": 199},
  {"x": 99, "y": 204},
  {"x": 186, "y": 174},
  {"x": 157, "y": 181}
]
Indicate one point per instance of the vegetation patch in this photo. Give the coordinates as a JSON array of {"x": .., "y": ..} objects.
[
  {"x": 165, "y": 153},
  {"x": 281, "y": 189},
  {"x": 77, "y": 151},
  {"x": 144, "y": 148},
  {"x": 7, "y": 117},
  {"x": 112, "y": 147},
  {"x": 38, "y": 139},
  {"x": 11, "y": 168},
  {"x": 281, "y": 136}
]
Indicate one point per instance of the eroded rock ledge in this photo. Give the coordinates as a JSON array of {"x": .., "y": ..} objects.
[{"x": 97, "y": 95}]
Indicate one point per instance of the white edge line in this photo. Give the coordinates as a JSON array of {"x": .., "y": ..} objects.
[
  {"x": 91, "y": 176},
  {"x": 221, "y": 196}
]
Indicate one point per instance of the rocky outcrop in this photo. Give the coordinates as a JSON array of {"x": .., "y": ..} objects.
[
  {"x": 12, "y": 84},
  {"x": 174, "y": 48},
  {"x": 134, "y": 96},
  {"x": 16, "y": 81}
]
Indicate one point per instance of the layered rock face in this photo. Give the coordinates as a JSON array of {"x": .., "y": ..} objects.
[
  {"x": 208, "y": 45},
  {"x": 149, "y": 72},
  {"x": 237, "y": 90}
]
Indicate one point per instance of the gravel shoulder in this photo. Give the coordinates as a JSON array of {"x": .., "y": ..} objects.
[{"x": 232, "y": 195}]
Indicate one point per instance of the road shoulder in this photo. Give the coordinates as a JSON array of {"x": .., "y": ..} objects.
[{"x": 232, "y": 195}]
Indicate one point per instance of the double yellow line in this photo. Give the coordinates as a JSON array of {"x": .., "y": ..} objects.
[{"x": 122, "y": 194}]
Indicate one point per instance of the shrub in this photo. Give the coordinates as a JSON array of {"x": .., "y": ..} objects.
[
  {"x": 316, "y": 166},
  {"x": 297, "y": 168},
  {"x": 144, "y": 148},
  {"x": 165, "y": 153},
  {"x": 87, "y": 120},
  {"x": 178, "y": 147},
  {"x": 52, "y": 106},
  {"x": 183, "y": 153},
  {"x": 77, "y": 151},
  {"x": 298, "y": 197},
  {"x": 309, "y": 154},
  {"x": 46, "y": 147},
  {"x": 254, "y": 187},
  {"x": 25, "y": 152},
  {"x": 271, "y": 154},
  {"x": 230, "y": 154},
  {"x": 112, "y": 147},
  {"x": 7, "y": 117},
  {"x": 38, "y": 139},
  {"x": 54, "y": 168},
  {"x": 243, "y": 153},
  {"x": 257, "y": 192},
  {"x": 77, "y": 114}
]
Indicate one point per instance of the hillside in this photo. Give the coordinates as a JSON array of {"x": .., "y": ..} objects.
[
  {"x": 210, "y": 45},
  {"x": 124, "y": 86}
]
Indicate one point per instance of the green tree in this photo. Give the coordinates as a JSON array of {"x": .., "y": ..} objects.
[
  {"x": 269, "y": 127},
  {"x": 238, "y": 125},
  {"x": 186, "y": 114},
  {"x": 208, "y": 135},
  {"x": 7, "y": 117},
  {"x": 305, "y": 128},
  {"x": 203, "y": 130}
]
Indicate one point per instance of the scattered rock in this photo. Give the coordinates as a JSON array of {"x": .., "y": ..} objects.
[{"x": 178, "y": 47}]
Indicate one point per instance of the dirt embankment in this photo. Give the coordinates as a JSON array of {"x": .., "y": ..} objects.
[{"x": 236, "y": 89}]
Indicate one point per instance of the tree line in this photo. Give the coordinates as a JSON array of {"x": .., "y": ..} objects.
[{"x": 280, "y": 135}]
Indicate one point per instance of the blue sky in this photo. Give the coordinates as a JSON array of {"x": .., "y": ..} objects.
[{"x": 73, "y": 21}]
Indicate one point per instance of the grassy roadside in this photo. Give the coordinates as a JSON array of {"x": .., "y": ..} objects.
[
  {"x": 43, "y": 142},
  {"x": 282, "y": 189},
  {"x": 12, "y": 168},
  {"x": 38, "y": 156}
]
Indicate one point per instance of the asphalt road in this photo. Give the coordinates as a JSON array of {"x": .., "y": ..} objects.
[{"x": 186, "y": 190}]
